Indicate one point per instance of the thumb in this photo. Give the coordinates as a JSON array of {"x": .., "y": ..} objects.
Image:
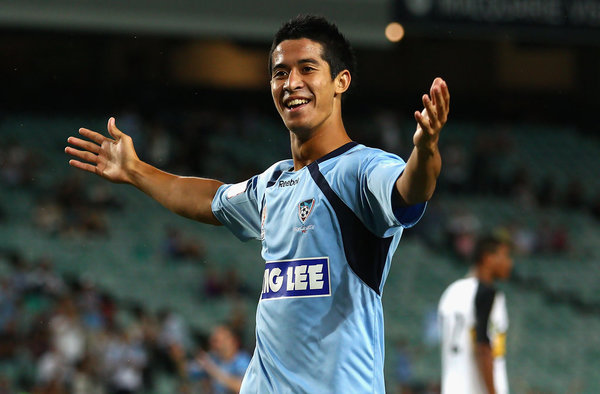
[{"x": 112, "y": 129}]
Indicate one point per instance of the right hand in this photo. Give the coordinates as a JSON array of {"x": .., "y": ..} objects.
[
  {"x": 434, "y": 115},
  {"x": 110, "y": 158}
]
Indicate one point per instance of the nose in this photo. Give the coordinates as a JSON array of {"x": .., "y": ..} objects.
[{"x": 293, "y": 81}]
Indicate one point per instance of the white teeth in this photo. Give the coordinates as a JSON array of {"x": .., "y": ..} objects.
[{"x": 295, "y": 102}]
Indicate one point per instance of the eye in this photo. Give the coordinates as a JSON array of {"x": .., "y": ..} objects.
[
  {"x": 308, "y": 69},
  {"x": 279, "y": 74}
]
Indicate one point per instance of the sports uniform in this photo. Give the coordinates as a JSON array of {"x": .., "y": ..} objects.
[
  {"x": 472, "y": 312},
  {"x": 328, "y": 233}
]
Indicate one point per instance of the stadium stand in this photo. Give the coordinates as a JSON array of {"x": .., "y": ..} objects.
[{"x": 553, "y": 299}]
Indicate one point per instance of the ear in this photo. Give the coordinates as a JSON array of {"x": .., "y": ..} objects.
[{"x": 342, "y": 81}]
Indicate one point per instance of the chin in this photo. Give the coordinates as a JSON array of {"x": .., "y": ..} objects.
[{"x": 299, "y": 129}]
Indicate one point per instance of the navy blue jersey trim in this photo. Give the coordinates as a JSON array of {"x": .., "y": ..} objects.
[
  {"x": 274, "y": 178},
  {"x": 484, "y": 299},
  {"x": 366, "y": 253},
  {"x": 342, "y": 149}
]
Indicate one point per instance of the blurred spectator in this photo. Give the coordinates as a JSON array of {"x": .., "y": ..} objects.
[
  {"x": 124, "y": 362},
  {"x": 172, "y": 334},
  {"x": 17, "y": 165},
  {"x": 108, "y": 307},
  {"x": 173, "y": 330},
  {"x": 45, "y": 280},
  {"x": 176, "y": 246},
  {"x": 88, "y": 300},
  {"x": 71, "y": 193},
  {"x": 490, "y": 157},
  {"x": 212, "y": 286},
  {"x": 144, "y": 330},
  {"x": 392, "y": 134},
  {"x": 227, "y": 284},
  {"x": 224, "y": 365},
  {"x": 233, "y": 286},
  {"x": 455, "y": 176},
  {"x": 73, "y": 212},
  {"x": 462, "y": 229},
  {"x": 49, "y": 216},
  {"x": 160, "y": 145},
  {"x": 21, "y": 273},
  {"x": 53, "y": 372},
  {"x": 66, "y": 332},
  {"x": 101, "y": 197},
  {"x": 86, "y": 377},
  {"x": 524, "y": 240}
]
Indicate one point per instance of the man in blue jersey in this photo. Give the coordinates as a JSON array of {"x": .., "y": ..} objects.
[{"x": 329, "y": 219}]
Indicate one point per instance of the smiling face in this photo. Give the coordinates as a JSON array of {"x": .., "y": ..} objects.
[{"x": 304, "y": 93}]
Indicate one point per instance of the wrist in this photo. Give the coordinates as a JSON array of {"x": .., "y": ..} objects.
[
  {"x": 135, "y": 171},
  {"x": 427, "y": 148}
]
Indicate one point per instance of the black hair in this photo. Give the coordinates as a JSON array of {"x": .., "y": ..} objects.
[
  {"x": 337, "y": 51},
  {"x": 485, "y": 246}
]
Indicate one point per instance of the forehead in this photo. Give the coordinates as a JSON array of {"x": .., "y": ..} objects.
[{"x": 292, "y": 51}]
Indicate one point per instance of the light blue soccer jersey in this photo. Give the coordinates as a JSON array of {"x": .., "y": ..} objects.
[{"x": 328, "y": 233}]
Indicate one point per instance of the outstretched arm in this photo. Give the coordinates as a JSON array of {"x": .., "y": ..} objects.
[
  {"x": 115, "y": 159},
  {"x": 417, "y": 182}
]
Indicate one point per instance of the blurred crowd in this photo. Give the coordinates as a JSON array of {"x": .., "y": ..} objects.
[
  {"x": 66, "y": 335},
  {"x": 492, "y": 168},
  {"x": 60, "y": 334}
]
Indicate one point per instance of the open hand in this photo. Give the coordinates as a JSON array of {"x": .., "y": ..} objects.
[
  {"x": 110, "y": 158},
  {"x": 433, "y": 117}
]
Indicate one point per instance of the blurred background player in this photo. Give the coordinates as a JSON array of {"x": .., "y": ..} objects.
[{"x": 474, "y": 322}]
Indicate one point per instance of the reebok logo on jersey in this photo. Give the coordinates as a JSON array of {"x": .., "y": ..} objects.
[
  {"x": 296, "y": 278},
  {"x": 291, "y": 182}
]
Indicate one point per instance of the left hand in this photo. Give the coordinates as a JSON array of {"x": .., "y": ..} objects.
[{"x": 433, "y": 117}]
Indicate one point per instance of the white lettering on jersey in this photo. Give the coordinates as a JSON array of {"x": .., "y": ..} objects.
[{"x": 302, "y": 278}]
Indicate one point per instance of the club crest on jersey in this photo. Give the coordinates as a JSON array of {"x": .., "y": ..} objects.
[{"x": 305, "y": 208}]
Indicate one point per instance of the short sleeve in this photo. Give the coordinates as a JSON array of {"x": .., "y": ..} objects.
[
  {"x": 484, "y": 299},
  {"x": 237, "y": 208},
  {"x": 499, "y": 313},
  {"x": 378, "y": 175}
]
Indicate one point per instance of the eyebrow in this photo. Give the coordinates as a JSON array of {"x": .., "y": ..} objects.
[{"x": 301, "y": 61}]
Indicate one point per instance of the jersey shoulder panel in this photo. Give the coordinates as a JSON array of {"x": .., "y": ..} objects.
[{"x": 269, "y": 176}]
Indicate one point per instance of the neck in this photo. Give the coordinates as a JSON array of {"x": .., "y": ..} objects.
[
  {"x": 484, "y": 275},
  {"x": 317, "y": 143}
]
